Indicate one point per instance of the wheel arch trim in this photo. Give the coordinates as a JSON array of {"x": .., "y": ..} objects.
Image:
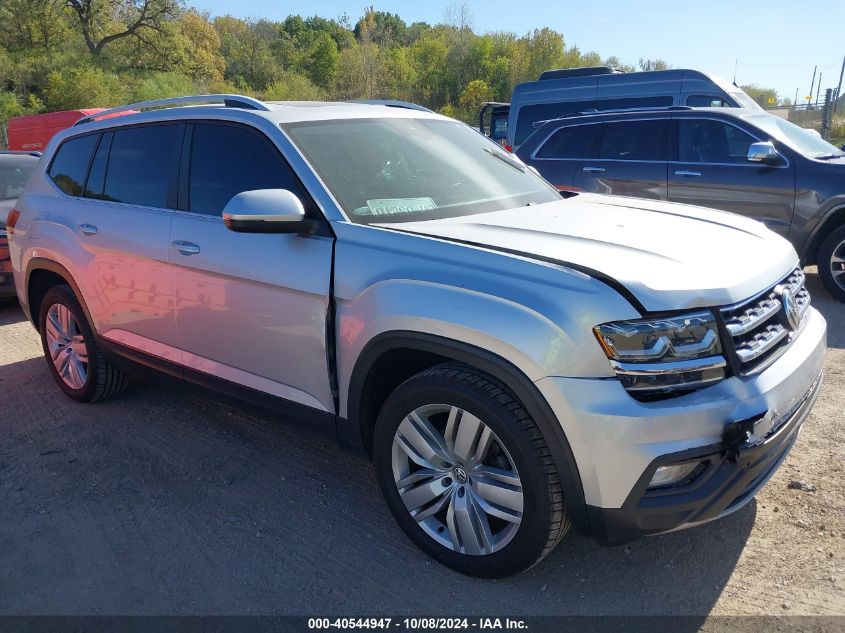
[
  {"x": 352, "y": 429},
  {"x": 40, "y": 263},
  {"x": 825, "y": 225}
]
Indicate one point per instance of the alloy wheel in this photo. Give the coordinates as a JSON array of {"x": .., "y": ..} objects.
[
  {"x": 457, "y": 479},
  {"x": 66, "y": 346},
  {"x": 837, "y": 264}
]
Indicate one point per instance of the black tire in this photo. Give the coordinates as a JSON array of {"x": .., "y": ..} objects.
[
  {"x": 544, "y": 520},
  {"x": 835, "y": 242},
  {"x": 103, "y": 380}
]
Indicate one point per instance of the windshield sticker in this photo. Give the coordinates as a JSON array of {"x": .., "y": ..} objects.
[{"x": 396, "y": 206}]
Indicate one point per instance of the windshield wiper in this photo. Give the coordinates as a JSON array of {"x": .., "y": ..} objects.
[
  {"x": 506, "y": 159},
  {"x": 829, "y": 156}
]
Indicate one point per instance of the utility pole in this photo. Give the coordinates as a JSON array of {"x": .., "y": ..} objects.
[
  {"x": 818, "y": 90},
  {"x": 839, "y": 89},
  {"x": 795, "y": 103},
  {"x": 827, "y": 114},
  {"x": 812, "y": 85}
]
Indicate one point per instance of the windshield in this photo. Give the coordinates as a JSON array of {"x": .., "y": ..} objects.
[
  {"x": 404, "y": 170},
  {"x": 799, "y": 139},
  {"x": 14, "y": 172}
]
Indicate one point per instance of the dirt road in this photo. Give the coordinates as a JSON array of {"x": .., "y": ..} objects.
[{"x": 164, "y": 501}]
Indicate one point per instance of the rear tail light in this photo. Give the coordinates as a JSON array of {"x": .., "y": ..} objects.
[
  {"x": 509, "y": 148},
  {"x": 11, "y": 220}
]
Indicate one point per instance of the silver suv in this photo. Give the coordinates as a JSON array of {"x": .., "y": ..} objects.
[{"x": 515, "y": 362}]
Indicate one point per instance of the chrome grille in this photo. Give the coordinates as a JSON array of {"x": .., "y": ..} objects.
[{"x": 758, "y": 327}]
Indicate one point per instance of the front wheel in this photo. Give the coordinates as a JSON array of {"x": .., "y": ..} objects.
[
  {"x": 831, "y": 263},
  {"x": 467, "y": 473}
]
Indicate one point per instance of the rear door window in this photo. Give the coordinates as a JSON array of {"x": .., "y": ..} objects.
[
  {"x": 570, "y": 142},
  {"x": 635, "y": 140},
  {"x": 142, "y": 165},
  {"x": 711, "y": 141},
  {"x": 71, "y": 162},
  {"x": 229, "y": 159}
]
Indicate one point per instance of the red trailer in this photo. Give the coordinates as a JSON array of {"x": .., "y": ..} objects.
[{"x": 33, "y": 132}]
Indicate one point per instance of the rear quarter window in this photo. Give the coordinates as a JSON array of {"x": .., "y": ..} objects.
[
  {"x": 570, "y": 142},
  {"x": 70, "y": 163}
]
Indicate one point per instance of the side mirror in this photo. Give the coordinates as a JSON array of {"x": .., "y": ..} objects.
[
  {"x": 267, "y": 211},
  {"x": 764, "y": 153}
]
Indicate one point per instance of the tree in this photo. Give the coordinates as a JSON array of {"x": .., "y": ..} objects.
[
  {"x": 322, "y": 66},
  {"x": 83, "y": 87},
  {"x": 31, "y": 24},
  {"x": 104, "y": 21},
  {"x": 291, "y": 86},
  {"x": 384, "y": 29},
  {"x": 652, "y": 64},
  {"x": 761, "y": 95},
  {"x": 248, "y": 49},
  {"x": 476, "y": 93}
]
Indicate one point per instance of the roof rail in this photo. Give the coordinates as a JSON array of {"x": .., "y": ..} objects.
[
  {"x": 393, "y": 103},
  {"x": 594, "y": 112},
  {"x": 584, "y": 71},
  {"x": 228, "y": 100}
]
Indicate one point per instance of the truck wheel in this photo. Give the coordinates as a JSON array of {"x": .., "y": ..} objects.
[
  {"x": 467, "y": 474},
  {"x": 72, "y": 353},
  {"x": 831, "y": 263}
]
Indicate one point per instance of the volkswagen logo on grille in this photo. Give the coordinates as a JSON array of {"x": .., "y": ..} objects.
[
  {"x": 460, "y": 475},
  {"x": 791, "y": 309}
]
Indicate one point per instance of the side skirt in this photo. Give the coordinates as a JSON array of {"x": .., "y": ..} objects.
[{"x": 305, "y": 418}]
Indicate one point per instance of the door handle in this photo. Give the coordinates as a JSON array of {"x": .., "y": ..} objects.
[
  {"x": 594, "y": 170},
  {"x": 88, "y": 229},
  {"x": 186, "y": 248},
  {"x": 684, "y": 172}
]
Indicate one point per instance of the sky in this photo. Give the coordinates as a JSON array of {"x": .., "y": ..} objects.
[{"x": 773, "y": 43}]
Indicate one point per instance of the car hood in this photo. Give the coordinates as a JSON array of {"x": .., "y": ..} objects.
[{"x": 668, "y": 256}]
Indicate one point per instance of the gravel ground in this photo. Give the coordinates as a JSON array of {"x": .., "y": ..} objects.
[{"x": 164, "y": 501}]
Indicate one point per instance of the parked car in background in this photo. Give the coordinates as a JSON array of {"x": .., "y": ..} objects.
[
  {"x": 515, "y": 362},
  {"x": 15, "y": 168},
  {"x": 739, "y": 160},
  {"x": 560, "y": 92},
  {"x": 32, "y": 132}
]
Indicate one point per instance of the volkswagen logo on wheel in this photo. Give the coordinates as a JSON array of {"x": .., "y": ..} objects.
[
  {"x": 791, "y": 309},
  {"x": 460, "y": 475}
]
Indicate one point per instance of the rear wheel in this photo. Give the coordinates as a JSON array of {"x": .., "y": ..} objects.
[
  {"x": 73, "y": 356},
  {"x": 467, "y": 473},
  {"x": 831, "y": 263}
]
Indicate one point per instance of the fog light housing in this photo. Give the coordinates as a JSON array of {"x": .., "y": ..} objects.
[{"x": 674, "y": 475}]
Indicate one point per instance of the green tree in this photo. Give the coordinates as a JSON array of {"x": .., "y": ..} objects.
[
  {"x": 102, "y": 22},
  {"x": 322, "y": 66},
  {"x": 652, "y": 64},
  {"x": 761, "y": 95},
  {"x": 291, "y": 86},
  {"x": 476, "y": 93},
  {"x": 247, "y": 48},
  {"x": 82, "y": 87},
  {"x": 381, "y": 28},
  {"x": 26, "y": 25}
]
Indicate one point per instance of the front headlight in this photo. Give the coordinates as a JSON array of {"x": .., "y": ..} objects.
[{"x": 671, "y": 354}]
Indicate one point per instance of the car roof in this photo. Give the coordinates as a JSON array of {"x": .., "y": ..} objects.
[
  {"x": 280, "y": 112},
  {"x": 238, "y": 108}
]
